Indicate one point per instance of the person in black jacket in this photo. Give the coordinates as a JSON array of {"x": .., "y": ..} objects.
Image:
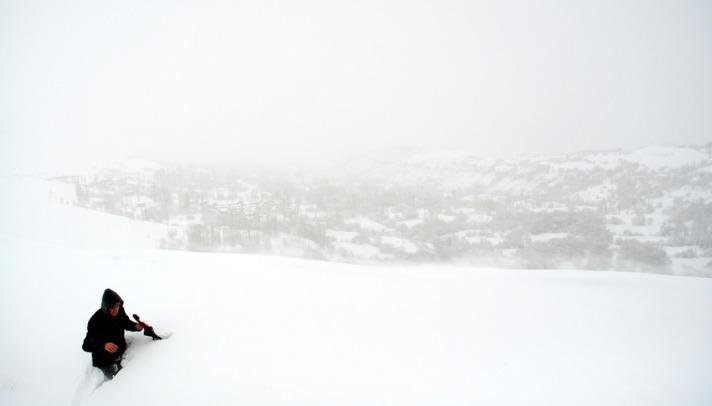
[{"x": 105, "y": 334}]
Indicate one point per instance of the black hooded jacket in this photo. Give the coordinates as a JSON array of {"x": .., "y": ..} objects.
[{"x": 104, "y": 328}]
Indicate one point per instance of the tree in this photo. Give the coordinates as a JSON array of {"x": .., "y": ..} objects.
[{"x": 643, "y": 252}]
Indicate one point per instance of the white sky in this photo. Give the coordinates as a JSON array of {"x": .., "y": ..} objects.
[{"x": 278, "y": 81}]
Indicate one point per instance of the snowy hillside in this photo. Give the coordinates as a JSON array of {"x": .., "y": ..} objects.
[
  {"x": 464, "y": 170},
  {"x": 256, "y": 330},
  {"x": 644, "y": 210}
]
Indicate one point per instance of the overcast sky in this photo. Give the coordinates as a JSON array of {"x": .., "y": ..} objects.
[{"x": 271, "y": 81}]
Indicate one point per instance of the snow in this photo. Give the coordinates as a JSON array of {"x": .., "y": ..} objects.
[
  {"x": 30, "y": 205},
  {"x": 673, "y": 251},
  {"x": 291, "y": 245},
  {"x": 644, "y": 238},
  {"x": 342, "y": 236},
  {"x": 652, "y": 157},
  {"x": 607, "y": 160},
  {"x": 137, "y": 165},
  {"x": 659, "y": 157},
  {"x": 483, "y": 177},
  {"x": 596, "y": 193},
  {"x": 689, "y": 192},
  {"x": 183, "y": 220},
  {"x": 366, "y": 223},
  {"x": 410, "y": 223},
  {"x": 359, "y": 250},
  {"x": 446, "y": 217},
  {"x": 401, "y": 244},
  {"x": 257, "y": 330},
  {"x": 479, "y": 218},
  {"x": 510, "y": 185},
  {"x": 691, "y": 266},
  {"x": 574, "y": 166},
  {"x": 548, "y": 236},
  {"x": 706, "y": 169}
]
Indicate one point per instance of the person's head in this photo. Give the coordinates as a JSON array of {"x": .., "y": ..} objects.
[
  {"x": 114, "y": 310},
  {"x": 111, "y": 303}
]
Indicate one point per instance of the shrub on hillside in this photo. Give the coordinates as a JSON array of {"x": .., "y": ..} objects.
[{"x": 643, "y": 252}]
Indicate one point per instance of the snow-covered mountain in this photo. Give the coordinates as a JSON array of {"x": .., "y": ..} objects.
[
  {"x": 272, "y": 331},
  {"x": 458, "y": 169}
]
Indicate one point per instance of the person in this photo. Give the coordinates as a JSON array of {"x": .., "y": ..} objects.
[{"x": 105, "y": 334}]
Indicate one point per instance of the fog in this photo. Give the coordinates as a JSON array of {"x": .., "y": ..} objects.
[
  {"x": 295, "y": 82},
  {"x": 514, "y": 134}
]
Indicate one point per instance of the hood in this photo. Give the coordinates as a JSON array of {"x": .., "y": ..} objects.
[{"x": 110, "y": 298}]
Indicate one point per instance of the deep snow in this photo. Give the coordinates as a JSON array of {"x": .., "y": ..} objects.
[{"x": 254, "y": 330}]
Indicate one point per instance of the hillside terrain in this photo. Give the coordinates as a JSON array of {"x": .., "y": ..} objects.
[
  {"x": 257, "y": 330},
  {"x": 643, "y": 210}
]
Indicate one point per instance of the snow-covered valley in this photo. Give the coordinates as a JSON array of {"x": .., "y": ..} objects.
[
  {"x": 646, "y": 210},
  {"x": 258, "y": 330}
]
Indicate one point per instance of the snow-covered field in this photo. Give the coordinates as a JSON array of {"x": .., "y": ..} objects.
[{"x": 253, "y": 330}]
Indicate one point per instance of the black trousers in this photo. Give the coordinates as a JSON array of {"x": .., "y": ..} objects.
[
  {"x": 109, "y": 364},
  {"x": 111, "y": 370}
]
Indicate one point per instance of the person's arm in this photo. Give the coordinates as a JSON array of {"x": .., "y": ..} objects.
[{"x": 129, "y": 324}]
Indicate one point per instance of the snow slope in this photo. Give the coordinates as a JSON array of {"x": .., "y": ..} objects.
[
  {"x": 253, "y": 330},
  {"x": 657, "y": 157}
]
